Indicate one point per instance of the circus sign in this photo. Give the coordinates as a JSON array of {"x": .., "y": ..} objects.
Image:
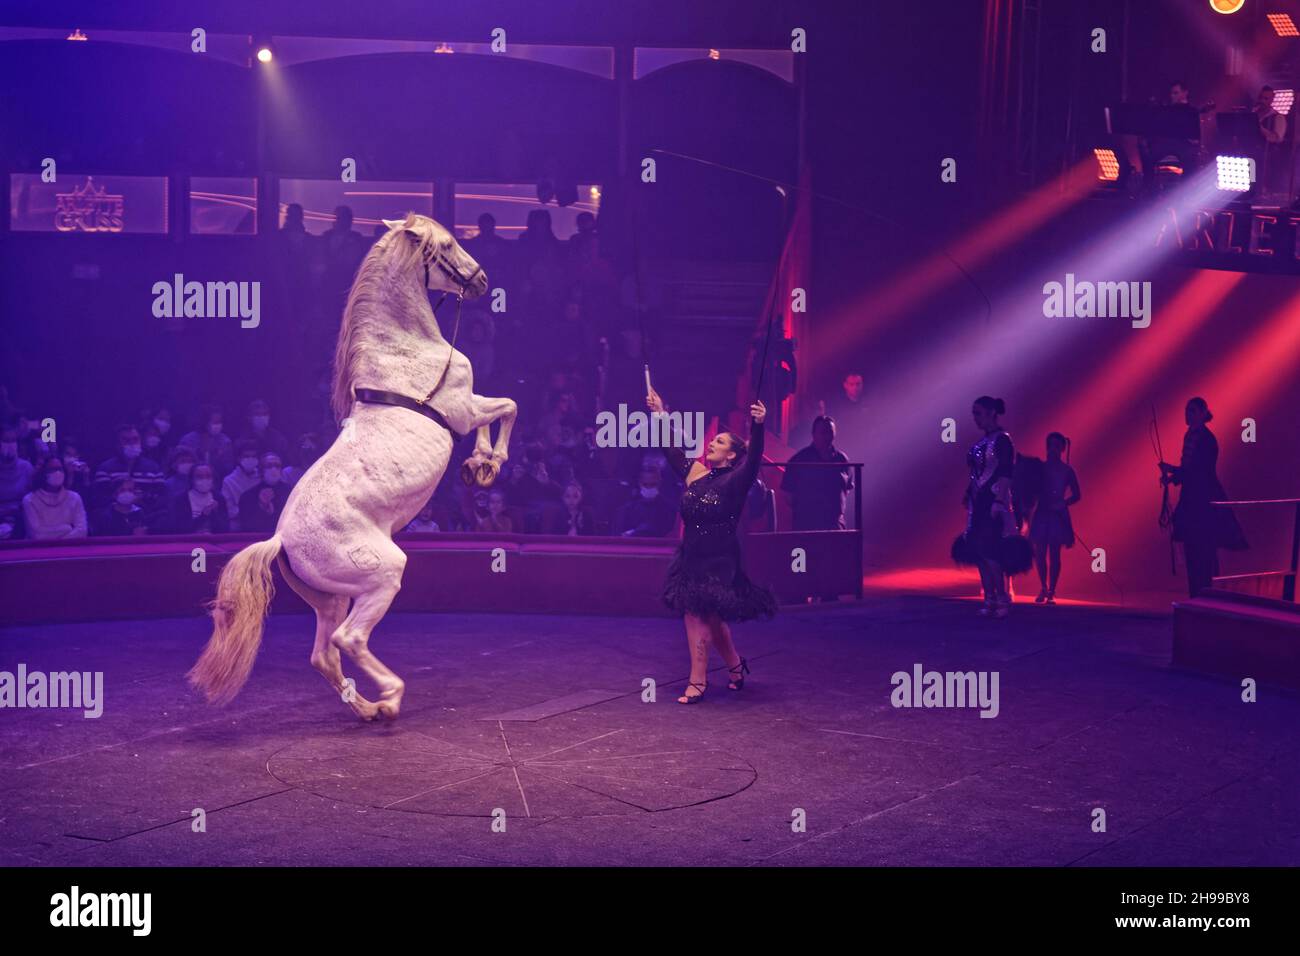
[
  {"x": 89, "y": 209},
  {"x": 88, "y": 204}
]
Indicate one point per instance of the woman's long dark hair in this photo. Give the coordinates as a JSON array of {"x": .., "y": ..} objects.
[{"x": 738, "y": 446}]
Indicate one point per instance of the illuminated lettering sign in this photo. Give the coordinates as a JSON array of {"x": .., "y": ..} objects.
[{"x": 89, "y": 209}]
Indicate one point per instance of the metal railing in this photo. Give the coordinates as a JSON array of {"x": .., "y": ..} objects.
[{"x": 1288, "y": 584}]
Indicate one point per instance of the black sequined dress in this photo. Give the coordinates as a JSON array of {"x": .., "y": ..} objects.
[{"x": 706, "y": 576}]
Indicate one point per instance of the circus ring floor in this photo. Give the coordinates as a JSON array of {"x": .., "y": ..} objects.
[{"x": 539, "y": 722}]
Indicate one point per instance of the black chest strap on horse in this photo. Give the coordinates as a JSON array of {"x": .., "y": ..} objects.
[{"x": 379, "y": 397}]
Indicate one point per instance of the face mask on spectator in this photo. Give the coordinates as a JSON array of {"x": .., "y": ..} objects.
[
  {"x": 9, "y": 450},
  {"x": 203, "y": 485},
  {"x": 163, "y": 424},
  {"x": 261, "y": 421},
  {"x": 126, "y": 497},
  {"x": 54, "y": 479},
  {"x": 271, "y": 475},
  {"x": 647, "y": 492},
  {"x": 248, "y": 464},
  {"x": 131, "y": 451},
  {"x": 184, "y": 467},
  {"x": 214, "y": 428}
]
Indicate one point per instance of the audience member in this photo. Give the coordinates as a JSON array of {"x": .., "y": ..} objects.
[
  {"x": 50, "y": 510},
  {"x": 124, "y": 515}
]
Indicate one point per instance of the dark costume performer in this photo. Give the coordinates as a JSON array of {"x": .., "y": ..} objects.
[
  {"x": 1199, "y": 525},
  {"x": 1051, "y": 524},
  {"x": 991, "y": 536},
  {"x": 706, "y": 576}
]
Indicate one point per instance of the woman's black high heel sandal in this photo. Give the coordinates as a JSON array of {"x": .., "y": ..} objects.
[
  {"x": 688, "y": 699},
  {"x": 738, "y": 683}
]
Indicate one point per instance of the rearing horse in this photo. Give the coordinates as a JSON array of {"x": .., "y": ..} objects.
[{"x": 400, "y": 390}]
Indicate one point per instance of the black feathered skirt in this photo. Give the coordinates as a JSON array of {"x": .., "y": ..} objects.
[
  {"x": 704, "y": 584},
  {"x": 984, "y": 541}
]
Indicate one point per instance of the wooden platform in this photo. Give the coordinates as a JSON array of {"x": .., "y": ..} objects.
[{"x": 1239, "y": 635}]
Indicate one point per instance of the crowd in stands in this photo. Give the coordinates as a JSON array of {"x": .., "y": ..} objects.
[
  {"x": 566, "y": 347},
  {"x": 160, "y": 477}
]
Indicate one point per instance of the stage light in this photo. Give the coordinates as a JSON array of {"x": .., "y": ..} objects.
[
  {"x": 1283, "y": 25},
  {"x": 1107, "y": 165},
  {"x": 76, "y": 34},
  {"x": 1283, "y": 100},
  {"x": 1226, "y": 6},
  {"x": 264, "y": 54},
  {"x": 1236, "y": 173}
]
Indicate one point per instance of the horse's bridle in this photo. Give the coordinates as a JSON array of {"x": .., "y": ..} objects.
[
  {"x": 457, "y": 277},
  {"x": 451, "y": 272}
]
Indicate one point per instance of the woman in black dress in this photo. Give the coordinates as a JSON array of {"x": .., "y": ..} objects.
[
  {"x": 992, "y": 540},
  {"x": 1199, "y": 525},
  {"x": 706, "y": 583}
]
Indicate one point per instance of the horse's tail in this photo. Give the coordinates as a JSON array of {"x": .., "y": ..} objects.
[{"x": 244, "y": 592}]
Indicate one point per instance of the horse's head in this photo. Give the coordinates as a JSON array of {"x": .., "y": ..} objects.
[{"x": 447, "y": 267}]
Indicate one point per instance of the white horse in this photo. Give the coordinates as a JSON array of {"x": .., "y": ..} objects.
[{"x": 334, "y": 540}]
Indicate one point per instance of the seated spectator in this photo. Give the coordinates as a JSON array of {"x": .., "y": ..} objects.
[
  {"x": 79, "y": 477},
  {"x": 161, "y": 419},
  {"x": 30, "y": 444},
  {"x": 239, "y": 480},
  {"x": 309, "y": 449},
  {"x": 178, "y": 472},
  {"x": 198, "y": 509},
  {"x": 129, "y": 462},
  {"x": 649, "y": 514},
  {"x": 15, "y": 482},
  {"x": 571, "y": 517},
  {"x": 496, "y": 519},
  {"x": 51, "y": 511},
  {"x": 260, "y": 506},
  {"x": 424, "y": 520},
  {"x": 530, "y": 485},
  {"x": 560, "y": 424},
  {"x": 259, "y": 433},
  {"x": 123, "y": 516},
  {"x": 210, "y": 444},
  {"x": 151, "y": 438}
]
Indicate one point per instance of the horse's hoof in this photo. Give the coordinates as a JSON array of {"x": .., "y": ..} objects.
[
  {"x": 468, "y": 472},
  {"x": 367, "y": 713},
  {"x": 487, "y": 474},
  {"x": 389, "y": 709}
]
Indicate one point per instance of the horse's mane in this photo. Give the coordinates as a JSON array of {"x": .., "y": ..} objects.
[{"x": 390, "y": 262}]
